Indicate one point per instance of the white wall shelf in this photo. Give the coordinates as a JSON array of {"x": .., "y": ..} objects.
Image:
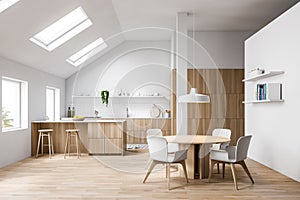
[
  {"x": 264, "y": 75},
  {"x": 122, "y": 97},
  {"x": 264, "y": 101}
]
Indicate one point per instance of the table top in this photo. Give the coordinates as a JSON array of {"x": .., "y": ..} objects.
[{"x": 196, "y": 139}]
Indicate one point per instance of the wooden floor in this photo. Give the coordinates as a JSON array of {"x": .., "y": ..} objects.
[{"x": 89, "y": 178}]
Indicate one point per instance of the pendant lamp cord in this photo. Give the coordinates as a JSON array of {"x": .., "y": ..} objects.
[{"x": 194, "y": 77}]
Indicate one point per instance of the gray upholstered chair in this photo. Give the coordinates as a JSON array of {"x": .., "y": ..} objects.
[
  {"x": 232, "y": 155},
  {"x": 158, "y": 149},
  {"x": 219, "y": 132}
]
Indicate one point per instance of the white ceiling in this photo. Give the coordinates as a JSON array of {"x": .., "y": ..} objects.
[{"x": 128, "y": 17}]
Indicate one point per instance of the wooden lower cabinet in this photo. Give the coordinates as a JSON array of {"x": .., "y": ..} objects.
[
  {"x": 95, "y": 137},
  {"x": 107, "y": 138},
  {"x": 96, "y": 146},
  {"x": 113, "y": 146},
  {"x": 137, "y": 129}
]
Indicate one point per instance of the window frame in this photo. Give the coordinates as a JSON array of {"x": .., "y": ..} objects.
[
  {"x": 56, "y": 102},
  {"x": 22, "y": 101}
]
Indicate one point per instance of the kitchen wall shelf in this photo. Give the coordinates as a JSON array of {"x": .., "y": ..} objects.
[
  {"x": 121, "y": 97},
  {"x": 264, "y": 75},
  {"x": 264, "y": 101}
]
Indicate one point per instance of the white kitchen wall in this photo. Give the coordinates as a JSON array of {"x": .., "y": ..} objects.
[
  {"x": 134, "y": 67},
  {"x": 274, "y": 126},
  {"x": 16, "y": 145},
  {"x": 221, "y": 49}
]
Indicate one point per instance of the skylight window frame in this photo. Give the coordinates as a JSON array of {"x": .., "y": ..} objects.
[
  {"x": 57, "y": 34},
  {"x": 89, "y": 51},
  {"x": 5, "y": 4}
]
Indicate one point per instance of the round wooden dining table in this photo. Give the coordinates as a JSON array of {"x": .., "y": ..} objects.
[{"x": 194, "y": 164}]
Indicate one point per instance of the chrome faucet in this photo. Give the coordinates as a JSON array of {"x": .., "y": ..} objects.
[
  {"x": 96, "y": 113},
  {"x": 127, "y": 112}
]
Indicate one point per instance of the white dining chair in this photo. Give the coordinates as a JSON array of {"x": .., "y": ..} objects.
[
  {"x": 158, "y": 149},
  {"x": 172, "y": 147},
  {"x": 232, "y": 155},
  {"x": 221, "y": 132}
]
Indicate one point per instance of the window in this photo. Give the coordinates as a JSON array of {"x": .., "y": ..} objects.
[
  {"x": 62, "y": 30},
  {"x": 14, "y": 104},
  {"x": 87, "y": 52},
  {"x": 4, "y": 4},
  {"x": 52, "y": 103}
]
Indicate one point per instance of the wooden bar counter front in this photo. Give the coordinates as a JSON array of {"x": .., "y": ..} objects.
[{"x": 96, "y": 136}]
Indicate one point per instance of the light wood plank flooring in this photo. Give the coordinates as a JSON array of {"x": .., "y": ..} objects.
[{"x": 89, "y": 178}]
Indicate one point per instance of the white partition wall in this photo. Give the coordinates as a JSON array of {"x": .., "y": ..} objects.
[{"x": 275, "y": 126}]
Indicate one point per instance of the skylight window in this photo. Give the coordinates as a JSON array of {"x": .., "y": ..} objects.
[
  {"x": 87, "y": 52},
  {"x": 62, "y": 30},
  {"x": 4, "y": 4}
]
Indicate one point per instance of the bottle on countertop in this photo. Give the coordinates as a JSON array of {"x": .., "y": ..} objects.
[
  {"x": 73, "y": 112},
  {"x": 69, "y": 113}
]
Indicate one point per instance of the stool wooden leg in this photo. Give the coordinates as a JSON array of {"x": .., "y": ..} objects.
[
  {"x": 69, "y": 142},
  {"x": 49, "y": 145},
  {"x": 67, "y": 138},
  {"x": 38, "y": 146},
  {"x": 42, "y": 145},
  {"x": 52, "y": 145},
  {"x": 76, "y": 139},
  {"x": 79, "y": 144}
]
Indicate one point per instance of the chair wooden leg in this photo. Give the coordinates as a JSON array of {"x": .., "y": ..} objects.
[
  {"x": 246, "y": 170},
  {"x": 218, "y": 166},
  {"x": 153, "y": 163},
  {"x": 234, "y": 175},
  {"x": 212, "y": 164},
  {"x": 66, "y": 145},
  {"x": 223, "y": 169},
  {"x": 169, "y": 177},
  {"x": 184, "y": 170}
]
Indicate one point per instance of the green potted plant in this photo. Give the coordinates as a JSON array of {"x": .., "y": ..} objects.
[{"x": 105, "y": 96}]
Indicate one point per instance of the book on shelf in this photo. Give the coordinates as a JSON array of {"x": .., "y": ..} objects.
[{"x": 269, "y": 91}]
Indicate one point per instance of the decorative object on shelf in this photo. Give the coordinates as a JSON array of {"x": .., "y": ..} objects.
[
  {"x": 269, "y": 91},
  {"x": 266, "y": 92},
  {"x": 256, "y": 71},
  {"x": 167, "y": 113},
  {"x": 105, "y": 96},
  {"x": 155, "y": 111},
  {"x": 264, "y": 75}
]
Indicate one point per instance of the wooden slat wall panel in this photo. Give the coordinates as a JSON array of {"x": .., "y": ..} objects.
[{"x": 226, "y": 90}]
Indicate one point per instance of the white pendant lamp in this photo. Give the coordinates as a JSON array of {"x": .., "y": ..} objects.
[{"x": 194, "y": 97}]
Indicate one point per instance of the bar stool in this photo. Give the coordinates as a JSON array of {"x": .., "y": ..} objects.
[
  {"x": 72, "y": 133},
  {"x": 45, "y": 133}
]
